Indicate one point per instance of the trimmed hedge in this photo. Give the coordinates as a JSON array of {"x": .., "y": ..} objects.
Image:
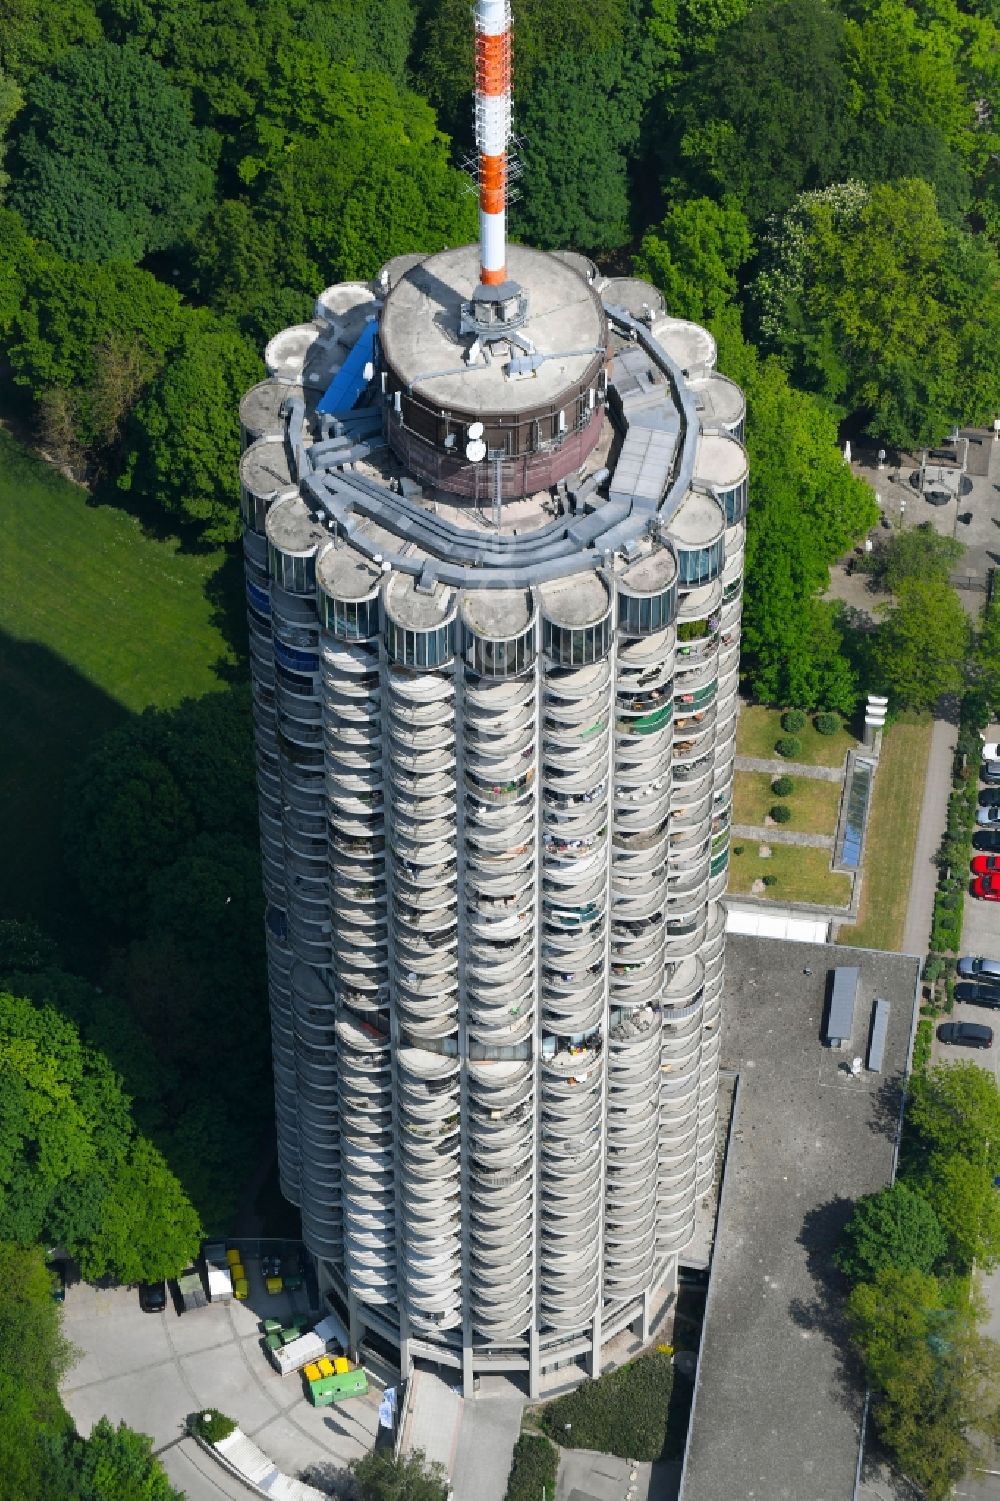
[
  {"x": 826, "y": 723},
  {"x": 535, "y": 1465},
  {"x": 793, "y": 720},
  {"x": 788, "y": 746},
  {"x": 622, "y": 1413},
  {"x": 769, "y": 879},
  {"x": 783, "y": 786},
  {"x": 781, "y": 813}
]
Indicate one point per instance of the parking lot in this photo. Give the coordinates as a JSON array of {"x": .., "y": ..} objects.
[{"x": 152, "y": 1370}]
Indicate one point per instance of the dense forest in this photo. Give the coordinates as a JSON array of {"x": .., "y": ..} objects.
[{"x": 816, "y": 182}]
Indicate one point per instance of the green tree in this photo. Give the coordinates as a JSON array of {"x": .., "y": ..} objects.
[
  {"x": 129, "y": 1242},
  {"x": 933, "y": 1376},
  {"x": 125, "y": 818},
  {"x": 806, "y": 509},
  {"x": 381, "y": 1477},
  {"x": 894, "y": 1227},
  {"x": 111, "y": 1464},
  {"x": 883, "y": 310},
  {"x": 913, "y": 113},
  {"x": 965, "y": 1202},
  {"x": 954, "y": 1109},
  {"x": 71, "y": 1168},
  {"x": 918, "y": 552},
  {"x": 69, "y": 316},
  {"x": 35, "y": 33},
  {"x": 694, "y": 254},
  {"x": 182, "y": 448},
  {"x": 921, "y": 647},
  {"x": 764, "y": 115},
  {"x": 987, "y": 655},
  {"x": 109, "y": 164}
]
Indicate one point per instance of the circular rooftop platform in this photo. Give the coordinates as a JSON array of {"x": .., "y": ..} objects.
[{"x": 422, "y": 345}]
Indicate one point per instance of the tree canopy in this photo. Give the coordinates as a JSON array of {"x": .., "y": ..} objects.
[
  {"x": 72, "y": 1170},
  {"x": 894, "y": 1227},
  {"x": 110, "y": 165}
]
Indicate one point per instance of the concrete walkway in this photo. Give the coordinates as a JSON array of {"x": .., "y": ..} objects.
[
  {"x": 778, "y": 835},
  {"x": 790, "y": 769},
  {"x": 933, "y": 821}
]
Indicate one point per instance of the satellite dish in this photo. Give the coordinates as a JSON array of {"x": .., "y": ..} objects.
[
  {"x": 476, "y": 429},
  {"x": 476, "y": 450}
]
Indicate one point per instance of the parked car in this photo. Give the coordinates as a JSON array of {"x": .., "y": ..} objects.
[
  {"x": 988, "y": 815},
  {"x": 972, "y": 964},
  {"x": 58, "y": 1270},
  {"x": 987, "y": 839},
  {"x": 989, "y": 797},
  {"x": 977, "y": 994},
  {"x": 990, "y": 771},
  {"x": 152, "y": 1296},
  {"x": 988, "y": 887},
  {"x": 991, "y": 750},
  {"x": 965, "y": 1035},
  {"x": 983, "y": 864}
]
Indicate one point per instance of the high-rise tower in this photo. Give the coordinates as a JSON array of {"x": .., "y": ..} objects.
[{"x": 493, "y": 524}]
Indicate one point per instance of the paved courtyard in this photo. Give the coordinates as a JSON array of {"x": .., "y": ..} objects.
[{"x": 152, "y": 1370}]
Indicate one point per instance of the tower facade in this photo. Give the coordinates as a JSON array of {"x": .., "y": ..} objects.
[{"x": 494, "y": 556}]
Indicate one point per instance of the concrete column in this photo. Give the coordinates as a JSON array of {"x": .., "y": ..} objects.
[
  {"x": 534, "y": 1365},
  {"x": 355, "y": 1323},
  {"x": 595, "y": 1349},
  {"x": 405, "y": 1358},
  {"x": 468, "y": 1389}
]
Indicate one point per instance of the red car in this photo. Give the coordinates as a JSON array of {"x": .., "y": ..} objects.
[
  {"x": 987, "y": 886},
  {"x": 983, "y": 864}
]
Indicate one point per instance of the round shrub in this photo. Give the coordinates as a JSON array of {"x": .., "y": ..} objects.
[
  {"x": 827, "y": 724},
  {"x": 770, "y": 880},
  {"x": 211, "y": 1425},
  {"x": 793, "y": 720},
  {"x": 781, "y": 813},
  {"x": 788, "y": 746},
  {"x": 737, "y": 849},
  {"x": 783, "y": 786}
]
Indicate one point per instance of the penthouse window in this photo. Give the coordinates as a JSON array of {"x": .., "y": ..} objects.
[{"x": 573, "y": 646}]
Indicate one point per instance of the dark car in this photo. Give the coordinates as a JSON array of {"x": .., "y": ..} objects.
[
  {"x": 965, "y": 1035},
  {"x": 987, "y": 839},
  {"x": 974, "y": 964},
  {"x": 58, "y": 1270},
  {"x": 990, "y": 771},
  {"x": 978, "y": 993},
  {"x": 989, "y": 797},
  {"x": 152, "y": 1296}
]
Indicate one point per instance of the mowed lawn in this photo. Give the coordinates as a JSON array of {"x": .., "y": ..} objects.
[
  {"x": 803, "y": 874},
  {"x": 892, "y": 836},
  {"x": 814, "y": 803},
  {"x": 759, "y": 728},
  {"x": 97, "y": 621}
]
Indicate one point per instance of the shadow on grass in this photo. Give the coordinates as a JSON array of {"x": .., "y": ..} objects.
[
  {"x": 52, "y": 717},
  {"x": 226, "y": 593}
]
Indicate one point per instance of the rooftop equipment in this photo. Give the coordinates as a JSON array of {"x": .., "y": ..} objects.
[{"x": 840, "y": 1013}]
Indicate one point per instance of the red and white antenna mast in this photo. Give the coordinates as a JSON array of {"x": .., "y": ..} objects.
[{"x": 493, "y": 59}]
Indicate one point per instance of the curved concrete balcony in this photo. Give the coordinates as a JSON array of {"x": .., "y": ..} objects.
[
  {"x": 641, "y": 809},
  {"x": 500, "y": 792},
  {"x": 640, "y": 652},
  {"x": 700, "y": 603},
  {"x": 300, "y": 706},
  {"x": 576, "y": 682},
  {"x": 586, "y": 781},
  {"x": 497, "y": 695},
  {"x": 566, "y": 1015}
]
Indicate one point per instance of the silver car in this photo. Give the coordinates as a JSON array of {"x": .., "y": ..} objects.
[
  {"x": 970, "y": 966},
  {"x": 988, "y": 815}
]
